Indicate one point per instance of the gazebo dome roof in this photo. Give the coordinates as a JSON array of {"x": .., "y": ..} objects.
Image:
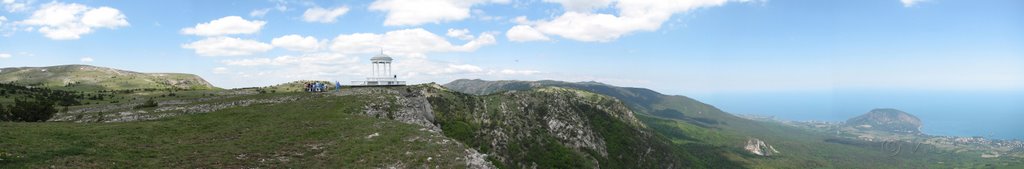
[{"x": 381, "y": 58}]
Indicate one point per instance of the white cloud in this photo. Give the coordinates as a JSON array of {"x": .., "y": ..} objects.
[
  {"x": 463, "y": 68},
  {"x": 86, "y": 59},
  {"x": 321, "y": 15},
  {"x": 320, "y": 66},
  {"x": 251, "y": 62},
  {"x": 62, "y": 21},
  {"x": 5, "y": 55},
  {"x": 518, "y": 72},
  {"x": 407, "y": 42},
  {"x": 632, "y": 16},
  {"x": 460, "y": 34},
  {"x": 13, "y": 6},
  {"x": 259, "y": 12},
  {"x": 296, "y": 43},
  {"x": 227, "y": 46},
  {"x": 522, "y": 20},
  {"x": 525, "y": 33},
  {"x": 481, "y": 15},
  {"x": 281, "y": 6},
  {"x": 220, "y": 70},
  {"x": 104, "y": 17},
  {"x": 308, "y": 58},
  {"x": 349, "y": 56},
  {"x": 416, "y": 12},
  {"x": 345, "y": 68},
  {"x": 582, "y": 5},
  {"x": 225, "y": 26},
  {"x": 910, "y": 3}
]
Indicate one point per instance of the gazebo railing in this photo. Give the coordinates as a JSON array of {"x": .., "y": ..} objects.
[{"x": 382, "y": 81}]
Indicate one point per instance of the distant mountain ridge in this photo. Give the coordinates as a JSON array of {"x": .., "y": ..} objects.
[
  {"x": 645, "y": 101},
  {"x": 887, "y": 120},
  {"x": 94, "y": 78}
]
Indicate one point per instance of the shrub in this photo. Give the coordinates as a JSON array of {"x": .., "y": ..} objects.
[
  {"x": 458, "y": 130},
  {"x": 29, "y": 111},
  {"x": 149, "y": 103},
  {"x": 3, "y": 113}
]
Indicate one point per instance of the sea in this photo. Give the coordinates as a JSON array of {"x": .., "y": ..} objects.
[{"x": 989, "y": 114}]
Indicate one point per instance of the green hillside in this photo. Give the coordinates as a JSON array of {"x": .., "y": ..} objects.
[
  {"x": 555, "y": 127},
  {"x": 689, "y": 122},
  {"x": 318, "y": 132},
  {"x": 92, "y": 78},
  {"x": 547, "y": 128}
]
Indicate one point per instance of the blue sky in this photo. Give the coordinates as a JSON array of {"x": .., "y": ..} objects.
[{"x": 677, "y": 47}]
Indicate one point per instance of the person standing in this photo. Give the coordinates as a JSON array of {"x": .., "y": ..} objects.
[{"x": 337, "y": 86}]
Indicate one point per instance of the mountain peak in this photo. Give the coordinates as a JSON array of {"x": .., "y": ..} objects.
[{"x": 887, "y": 119}]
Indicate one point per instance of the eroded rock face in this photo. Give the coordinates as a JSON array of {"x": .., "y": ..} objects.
[
  {"x": 504, "y": 126},
  {"x": 758, "y": 147},
  {"x": 891, "y": 120},
  {"x": 406, "y": 106}
]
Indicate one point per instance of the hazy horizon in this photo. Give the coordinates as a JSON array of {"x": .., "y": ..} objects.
[{"x": 989, "y": 114}]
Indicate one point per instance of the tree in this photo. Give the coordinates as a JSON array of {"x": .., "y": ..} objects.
[
  {"x": 31, "y": 111},
  {"x": 4, "y": 116}
]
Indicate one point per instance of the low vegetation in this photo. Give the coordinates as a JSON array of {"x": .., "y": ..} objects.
[
  {"x": 148, "y": 104},
  {"x": 28, "y": 111},
  {"x": 315, "y": 133},
  {"x": 539, "y": 114}
]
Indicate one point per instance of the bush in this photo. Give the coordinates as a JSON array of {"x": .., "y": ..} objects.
[
  {"x": 3, "y": 113},
  {"x": 149, "y": 103},
  {"x": 459, "y": 130},
  {"x": 29, "y": 111}
]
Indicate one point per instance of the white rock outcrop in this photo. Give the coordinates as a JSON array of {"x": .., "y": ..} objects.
[{"x": 758, "y": 147}]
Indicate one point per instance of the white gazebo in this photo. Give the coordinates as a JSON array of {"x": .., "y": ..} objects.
[{"x": 382, "y": 75}]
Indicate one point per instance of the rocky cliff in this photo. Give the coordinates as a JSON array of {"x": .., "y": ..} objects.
[{"x": 758, "y": 147}]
